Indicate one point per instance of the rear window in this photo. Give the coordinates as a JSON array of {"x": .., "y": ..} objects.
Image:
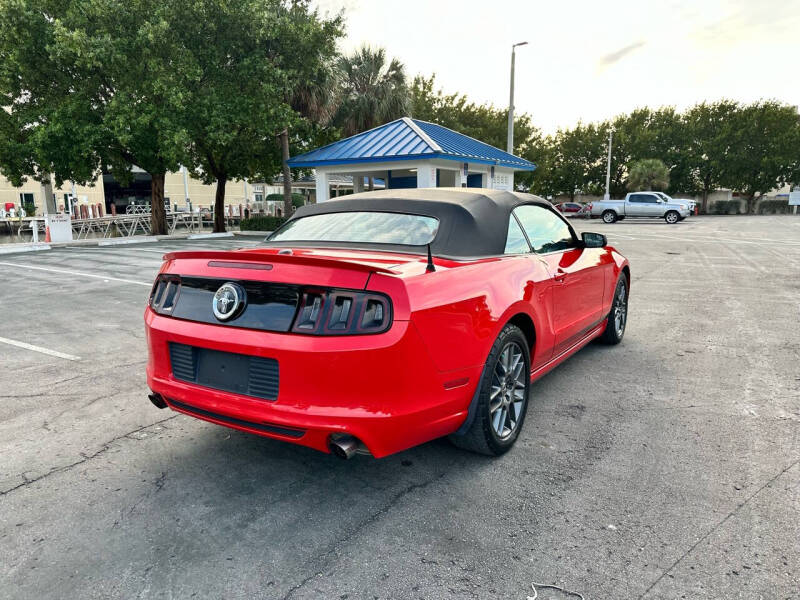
[{"x": 360, "y": 227}]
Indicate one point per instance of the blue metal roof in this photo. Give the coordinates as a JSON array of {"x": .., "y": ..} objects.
[{"x": 409, "y": 139}]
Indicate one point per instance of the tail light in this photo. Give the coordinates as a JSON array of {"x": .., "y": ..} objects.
[
  {"x": 165, "y": 293},
  {"x": 320, "y": 311},
  {"x": 341, "y": 312}
]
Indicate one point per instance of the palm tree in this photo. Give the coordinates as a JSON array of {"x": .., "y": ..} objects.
[
  {"x": 372, "y": 91},
  {"x": 317, "y": 101},
  {"x": 648, "y": 174}
]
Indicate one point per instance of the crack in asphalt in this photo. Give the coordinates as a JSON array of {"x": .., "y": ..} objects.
[
  {"x": 106, "y": 446},
  {"x": 717, "y": 526},
  {"x": 157, "y": 485},
  {"x": 325, "y": 556}
]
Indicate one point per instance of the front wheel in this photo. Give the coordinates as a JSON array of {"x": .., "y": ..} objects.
[
  {"x": 618, "y": 317},
  {"x": 503, "y": 396},
  {"x": 609, "y": 216},
  {"x": 672, "y": 217}
]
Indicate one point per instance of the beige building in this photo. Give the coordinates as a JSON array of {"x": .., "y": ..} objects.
[
  {"x": 33, "y": 191},
  {"x": 105, "y": 191},
  {"x": 178, "y": 187}
]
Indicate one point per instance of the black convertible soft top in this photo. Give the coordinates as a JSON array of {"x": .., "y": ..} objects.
[{"x": 472, "y": 222}]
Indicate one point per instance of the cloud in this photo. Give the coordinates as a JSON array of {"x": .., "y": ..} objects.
[
  {"x": 747, "y": 21},
  {"x": 610, "y": 59}
]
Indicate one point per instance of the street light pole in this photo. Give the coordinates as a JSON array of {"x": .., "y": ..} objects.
[
  {"x": 510, "y": 144},
  {"x": 608, "y": 168}
]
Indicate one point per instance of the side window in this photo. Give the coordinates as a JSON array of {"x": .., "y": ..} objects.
[
  {"x": 546, "y": 231},
  {"x": 635, "y": 198},
  {"x": 651, "y": 198},
  {"x": 515, "y": 241}
]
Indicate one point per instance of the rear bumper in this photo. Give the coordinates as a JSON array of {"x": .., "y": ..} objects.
[{"x": 384, "y": 389}]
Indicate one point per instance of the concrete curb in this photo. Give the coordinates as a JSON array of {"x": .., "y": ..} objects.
[
  {"x": 128, "y": 240},
  {"x": 207, "y": 236},
  {"x": 14, "y": 248}
]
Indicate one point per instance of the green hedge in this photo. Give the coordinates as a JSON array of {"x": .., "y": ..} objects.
[
  {"x": 773, "y": 207},
  {"x": 30, "y": 209},
  {"x": 298, "y": 200},
  {"x": 261, "y": 223},
  {"x": 725, "y": 207}
]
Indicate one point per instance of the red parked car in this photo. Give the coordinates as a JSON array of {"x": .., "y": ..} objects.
[
  {"x": 570, "y": 208},
  {"x": 381, "y": 321}
]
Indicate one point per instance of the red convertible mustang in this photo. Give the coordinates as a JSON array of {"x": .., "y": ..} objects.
[{"x": 384, "y": 320}]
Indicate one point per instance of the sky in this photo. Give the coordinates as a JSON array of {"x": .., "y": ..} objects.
[{"x": 588, "y": 61}]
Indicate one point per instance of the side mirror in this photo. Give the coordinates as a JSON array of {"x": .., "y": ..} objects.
[{"x": 593, "y": 240}]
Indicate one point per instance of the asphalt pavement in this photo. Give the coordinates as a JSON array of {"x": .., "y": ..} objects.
[{"x": 665, "y": 467}]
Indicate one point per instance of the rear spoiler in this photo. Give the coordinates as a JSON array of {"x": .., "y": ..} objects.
[{"x": 260, "y": 258}]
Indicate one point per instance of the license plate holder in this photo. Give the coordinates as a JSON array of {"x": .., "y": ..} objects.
[{"x": 223, "y": 370}]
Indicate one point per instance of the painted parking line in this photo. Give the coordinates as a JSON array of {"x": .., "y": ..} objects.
[
  {"x": 39, "y": 349},
  {"x": 78, "y": 273}
]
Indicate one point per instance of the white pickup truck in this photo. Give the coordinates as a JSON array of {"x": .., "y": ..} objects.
[{"x": 640, "y": 204}]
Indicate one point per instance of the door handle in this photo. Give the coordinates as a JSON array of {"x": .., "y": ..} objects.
[{"x": 560, "y": 276}]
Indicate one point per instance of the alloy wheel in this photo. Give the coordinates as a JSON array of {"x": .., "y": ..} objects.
[
  {"x": 620, "y": 309},
  {"x": 507, "y": 392}
]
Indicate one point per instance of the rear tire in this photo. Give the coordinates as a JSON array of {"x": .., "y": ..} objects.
[
  {"x": 503, "y": 396},
  {"x": 618, "y": 316},
  {"x": 672, "y": 217},
  {"x": 609, "y": 216}
]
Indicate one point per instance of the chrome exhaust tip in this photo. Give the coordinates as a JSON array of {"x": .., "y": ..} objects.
[
  {"x": 157, "y": 400},
  {"x": 344, "y": 446}
]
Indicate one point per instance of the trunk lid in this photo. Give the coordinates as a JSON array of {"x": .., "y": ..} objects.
[
  {"x": 307, "y": 266},
  {"x": 276, "y": 282}
]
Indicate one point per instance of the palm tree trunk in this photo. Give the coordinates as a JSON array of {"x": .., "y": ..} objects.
[
  {"x": 158, "y": 216},
  {"x": 287, "y": 174},
  {"x": 219, "y": 205}
]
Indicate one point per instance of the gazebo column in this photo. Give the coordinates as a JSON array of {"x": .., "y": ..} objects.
[
  {"x": 426, "y": 176},
  {"x": 358, "y": 182},
  {"x": 323, "y": 185}
]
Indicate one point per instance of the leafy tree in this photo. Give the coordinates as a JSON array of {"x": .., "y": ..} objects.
[
  {"x": 17, "y": 161},
  {"x": 764, "y": 150},
  {"x": 484, "y": 122},
  {"x": 578, "y": 160},
  {"x": 648, "y": 174},
  {"x": 373, "y": 92},
  {"x": 93, "y": 84},
  {"x": 245, "y": 59},
  {"x": 707, "y": 140},
  {"x": 542, "y": 181}
]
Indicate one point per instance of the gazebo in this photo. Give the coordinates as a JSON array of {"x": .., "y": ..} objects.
[{"x": 409, "y": 153}]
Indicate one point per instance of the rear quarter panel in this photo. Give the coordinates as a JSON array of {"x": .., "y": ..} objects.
[
  {"x": 615, "y": 263},
  {"x": 459, "y": 311}
]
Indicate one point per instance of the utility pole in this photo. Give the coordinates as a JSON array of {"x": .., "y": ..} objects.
[
  {"x": 73, "y": 201},
  {"x": 185, "y": 173},
  {"x": 608, "y": 168},
  {"x": 510, "y": 144}
]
